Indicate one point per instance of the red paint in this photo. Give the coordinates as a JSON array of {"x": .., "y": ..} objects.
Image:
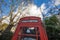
[{"x": 23, "y": 30}]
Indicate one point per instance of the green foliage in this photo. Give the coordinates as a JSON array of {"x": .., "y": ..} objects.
[
  {"x": 51, "y": 21},
  {"x": 6, "y": 36},
  {"x": 52, "y": 28},
  {"x": 3, "y": 26}
]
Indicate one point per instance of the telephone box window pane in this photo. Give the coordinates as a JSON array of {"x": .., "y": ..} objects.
[
  {"x": 29, "y": 33},
  {"x": 29, "y": 30},
  {"x": 27, "y": 38}
]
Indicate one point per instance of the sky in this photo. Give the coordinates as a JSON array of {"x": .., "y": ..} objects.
[
  {"x": 36, "y": 2},
  {"x": 40, "y": 2},
  {"x": 34, "y": 9}
]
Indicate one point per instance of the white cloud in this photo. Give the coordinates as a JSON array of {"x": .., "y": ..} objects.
[
  {"x": 43, "y": 7},
  {"x": 6, "y": 20},
  {"x": 35, "y": 11},
  {"x": 57, "y": 2},
  {"x": 30, "y": 10}
]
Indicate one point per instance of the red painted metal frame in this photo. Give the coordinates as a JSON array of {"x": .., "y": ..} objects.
[{"x": 43, "y": 35}]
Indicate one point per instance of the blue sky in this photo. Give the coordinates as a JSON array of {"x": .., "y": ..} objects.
[
  {"x": 39, "y": 2},
  {"x": 36, "y": 2},
  {"x": 6, "y": 9}
]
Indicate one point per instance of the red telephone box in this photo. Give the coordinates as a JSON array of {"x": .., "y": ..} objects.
[{"x": 30, "y": 28}]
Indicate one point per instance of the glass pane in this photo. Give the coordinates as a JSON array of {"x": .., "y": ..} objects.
[
  {"x": 28, "y": 33},
  {"x": 27, "y": 38},
  {"x": 29, "y": 30}
]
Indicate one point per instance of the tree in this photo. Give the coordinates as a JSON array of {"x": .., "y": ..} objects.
[
  {"x": 7, "y": 30},
  {"x": 52, "y": 27},
  {"x": 11, "y": 23}
]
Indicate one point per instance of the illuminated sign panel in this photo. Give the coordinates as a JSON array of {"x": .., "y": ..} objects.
[{"x": 30, "y": 21}]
